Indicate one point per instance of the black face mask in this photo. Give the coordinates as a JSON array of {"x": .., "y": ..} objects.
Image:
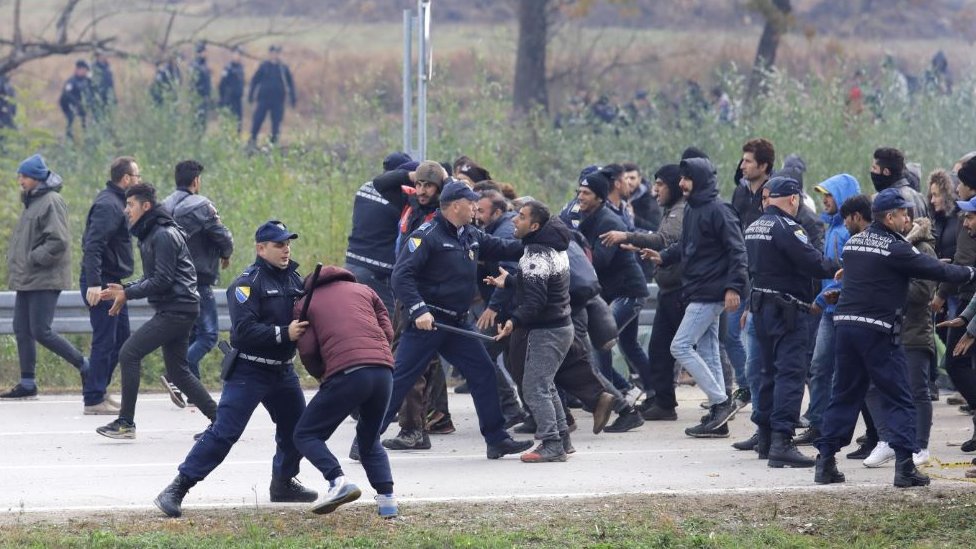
[{"x": 881, "y": 181}]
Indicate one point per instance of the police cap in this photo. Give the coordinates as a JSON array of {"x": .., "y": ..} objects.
[
  {"x": 781, "y": 186},
  {"x": 967, "y": 205},
  {"x": 889, "y": 199},
  {"x": 456, "y": 190},
  {"x": 274, "y": 231}
]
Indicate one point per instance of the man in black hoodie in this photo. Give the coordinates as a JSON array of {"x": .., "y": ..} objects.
[
  {"x": 888, "y": 172},
  {"x": 169, "y": 281},
  {"x": 714, "y": 278},
  {"x": 542, "y": 295}
]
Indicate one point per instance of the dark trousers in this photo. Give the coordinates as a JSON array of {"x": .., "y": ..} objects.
[
  {"x": 109, "y": 333},
  {"x": 366, "y": 388},
  {"x": 379, "y": 282},
  {"x": 171, "y": 331},
  {"x": 423, "y": 393},
  {"x": 667, "y": 318},
  {"x": 33, "y": 316},
  {"x": 918, "y": 378},
  {"x": 236, "y": 108},
  {"x": 413, "y": 355},
  {"x": 960, "y": 368},
  {"x": 203, "y": 338},
  {"x": 866, "y": 356},
  {"x": 279, "y": 391},
  {"x": 784, "y": 369},
  {"x": 277, "y": 110}
]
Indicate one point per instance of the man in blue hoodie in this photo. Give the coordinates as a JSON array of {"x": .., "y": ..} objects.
[{"x": 833, "y": 192}]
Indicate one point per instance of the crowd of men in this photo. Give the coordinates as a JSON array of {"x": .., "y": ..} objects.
[
  {"x": 758, "y": 300},
  {"x": 89, "y": 94}
]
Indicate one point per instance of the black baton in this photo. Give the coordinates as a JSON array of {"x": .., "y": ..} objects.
[
  {"x": 461, "y": 331},
  {"x": 308, "y": 297}
]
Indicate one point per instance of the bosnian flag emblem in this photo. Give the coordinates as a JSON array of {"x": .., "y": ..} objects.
[{"x": 242, "y": 293}]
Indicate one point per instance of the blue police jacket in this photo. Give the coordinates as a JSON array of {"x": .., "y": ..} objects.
[
  {"x": 781, "y": 258},
  {"x": 436, "y": 272},
  {"x": 878, "y": 264},
  {"x": 261, "y": 302}
]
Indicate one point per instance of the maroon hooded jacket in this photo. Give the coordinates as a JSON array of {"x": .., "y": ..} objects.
[{"x": 348, "y": 326}]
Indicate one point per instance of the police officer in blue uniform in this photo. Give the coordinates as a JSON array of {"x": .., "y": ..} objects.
[
  {"x": 434, "y": 278},
  {"x": 781, "y": 264},
  {"x": 258, "y": 369},
  {"x": 878, "y": 264}
]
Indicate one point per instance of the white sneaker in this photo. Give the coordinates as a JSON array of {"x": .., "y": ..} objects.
[
  {"x": 633, "y": 395},
  {"x": 881, "y": 454},
  {"x": 340, "y": 492},
  {"x": 921, "y": 457}
]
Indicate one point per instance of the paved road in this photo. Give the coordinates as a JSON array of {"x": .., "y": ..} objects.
[{"x": 52, "y": 460}]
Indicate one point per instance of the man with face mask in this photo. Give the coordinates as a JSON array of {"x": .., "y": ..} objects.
[
  {"x": 888, "y": 172},
  {"x": 878, "y": 266},
  {"x": 781, "y": 264}
]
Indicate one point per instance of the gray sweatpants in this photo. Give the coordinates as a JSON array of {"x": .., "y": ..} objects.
[{"x": 545, "y": 353}]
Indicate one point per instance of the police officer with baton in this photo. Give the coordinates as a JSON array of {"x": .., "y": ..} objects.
[
  {"x": 258, "y": 370},
  {"x": 434, "y": 278}
]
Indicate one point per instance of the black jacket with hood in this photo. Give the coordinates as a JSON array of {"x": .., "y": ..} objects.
[
  {"x": 711, "y": 249},
  {"x": 620, "y": 274},
  {"x": 542, "y": 289},
  {"x": 169, "y": 280}
]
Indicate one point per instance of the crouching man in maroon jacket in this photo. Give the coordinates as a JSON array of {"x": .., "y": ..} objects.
[{"x": 347, "y": 348}]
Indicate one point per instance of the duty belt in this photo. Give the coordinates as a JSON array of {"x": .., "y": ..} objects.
[
  {"x": 784, "y": 295},
  {"x": 262, "y": 360},
  {"x": 453, "y": 314}
]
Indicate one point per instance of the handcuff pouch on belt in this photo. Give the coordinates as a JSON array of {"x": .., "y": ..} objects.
[{"x": 230, "y": 358}]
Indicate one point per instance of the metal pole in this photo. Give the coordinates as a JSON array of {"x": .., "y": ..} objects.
[
  {"x": 407, "y": 83},
  {"x": 423, "y": 19}
]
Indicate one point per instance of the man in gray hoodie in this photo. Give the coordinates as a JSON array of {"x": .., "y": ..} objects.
[{"x": 38, "y": 269}]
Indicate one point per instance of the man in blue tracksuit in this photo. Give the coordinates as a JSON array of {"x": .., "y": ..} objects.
[
  {"x": 878, "y": 265},
  {"x": 781, "y": 263},
  {"x": 434, "y": 278},
  {"x": 834, "y": 192}
]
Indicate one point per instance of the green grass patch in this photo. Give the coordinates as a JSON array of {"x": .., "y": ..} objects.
[{"x": 881, "y": 518}]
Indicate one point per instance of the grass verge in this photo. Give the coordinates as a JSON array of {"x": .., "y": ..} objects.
[{"x": 943, "y": 517}]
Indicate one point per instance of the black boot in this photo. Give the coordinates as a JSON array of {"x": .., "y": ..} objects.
[
  {"x": 626, "y": 421},
  {"x": 170, "y": 499},
  {"x": 783, "y": 453},
  {"x": 808, "y": 437},
  {"x": 907, "y": 475},
  {"x": 747, "y": 444},
  {"x": 508, "y": 446},
  {"x": 763, "y": 442},
  {"x": 826, "y": 472},
  {"x": 863, "y": 450},
  {"x": 290, "y": 491},
  {"x": 970, "y": 445}
]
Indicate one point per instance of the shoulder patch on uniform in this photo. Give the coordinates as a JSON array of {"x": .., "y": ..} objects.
[
  {"x": 801, "y": 236},
  {"x": 424, "y": 226},
  {"x": 413, "y": 243},
  {"x": 242, "y": 293}
]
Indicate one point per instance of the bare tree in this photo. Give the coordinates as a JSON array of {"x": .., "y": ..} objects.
[
  {"x": 530, "y": 60},
  {"x": 778, "y": 16},
  {"x": 18, "y": 50}
]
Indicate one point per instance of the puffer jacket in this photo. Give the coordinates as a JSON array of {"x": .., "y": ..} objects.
[
  {"x": 169, "y": 280},
  {"x": 542, "y": 285},
  {"x": 207, "y": 237},
  {"x": 39, "y": 254},
  {"x": 348, "y": 326},
  {"x": 711, "y": 251},
  {"x": 919, "y": 331}
]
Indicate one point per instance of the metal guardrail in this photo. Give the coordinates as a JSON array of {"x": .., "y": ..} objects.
[{"x": 71, "y": 316}]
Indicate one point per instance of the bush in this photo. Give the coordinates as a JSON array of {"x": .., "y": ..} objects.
[{"x": 310, "y": 182}]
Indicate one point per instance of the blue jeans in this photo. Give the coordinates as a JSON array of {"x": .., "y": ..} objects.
[
  {"x": 203, "y": 337},
  {"x": 108, "y": 335},
  {"x": 366, "y": 389},
  {"x": 250, "y": 385},
  {"x": 695, "y": 348},
  {"x": 821, "y": 370},
  {"x": 734, "y": 346},
  {"x": 626, "y": 311}
]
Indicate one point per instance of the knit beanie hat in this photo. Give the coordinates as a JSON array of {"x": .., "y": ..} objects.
[
  {"x": 34, "y": 168},
  {"x": 598, "y": 183}
]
